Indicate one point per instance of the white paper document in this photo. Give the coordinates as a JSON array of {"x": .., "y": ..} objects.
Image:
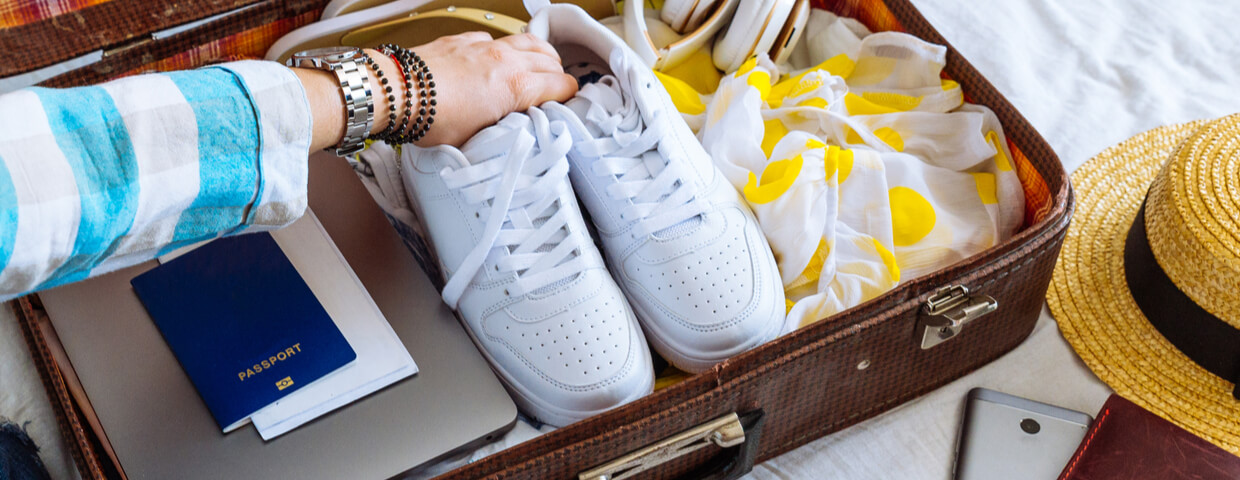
[{"x": 381, "y": 357}]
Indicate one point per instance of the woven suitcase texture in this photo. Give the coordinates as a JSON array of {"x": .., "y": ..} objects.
[
  {"x": 810, "y": 383},
  {"x": 85, "y": 25},
  {"x": 38, "y": 33}
]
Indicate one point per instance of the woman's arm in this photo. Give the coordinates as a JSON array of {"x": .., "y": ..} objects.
[
  {"x": 97, "y": 178},
  {"x": 479, "y": 80},
  {"x": 102, "y": 177}
]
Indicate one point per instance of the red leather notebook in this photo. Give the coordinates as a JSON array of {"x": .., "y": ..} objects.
[{"x": 1131, "y": 443}]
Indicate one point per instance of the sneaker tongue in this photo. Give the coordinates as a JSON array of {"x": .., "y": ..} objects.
[
  {"x": 580, "y": 106},
  {"x": 495, "y": 140},
  {"x": 598, "y": 103}
]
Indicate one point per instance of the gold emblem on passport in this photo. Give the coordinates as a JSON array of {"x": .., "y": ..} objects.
[{"x": 284, "y": 383}]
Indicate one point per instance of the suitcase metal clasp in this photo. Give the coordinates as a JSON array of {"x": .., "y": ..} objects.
[{"x": 948, "y": 310}]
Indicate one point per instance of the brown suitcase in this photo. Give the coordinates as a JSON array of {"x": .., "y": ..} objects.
[{"x": 716, "y": 424}]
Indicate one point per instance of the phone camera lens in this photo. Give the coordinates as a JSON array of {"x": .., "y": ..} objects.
[{"x": 1030, "y": 426}]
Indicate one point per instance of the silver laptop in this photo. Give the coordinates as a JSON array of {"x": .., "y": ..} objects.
[{"x": 159, "y": 427}]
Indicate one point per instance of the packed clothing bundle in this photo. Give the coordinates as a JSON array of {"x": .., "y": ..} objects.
[{"x": 865, "y": 169}]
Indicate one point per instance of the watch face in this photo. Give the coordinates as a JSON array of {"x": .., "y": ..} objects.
[{"x": 330, "y": 54}]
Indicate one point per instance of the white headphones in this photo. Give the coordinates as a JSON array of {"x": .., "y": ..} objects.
[
  {"x": 717, "y": 13},
  {"x": 771, "y": 26},
  {"x": 685, "y": 15}
]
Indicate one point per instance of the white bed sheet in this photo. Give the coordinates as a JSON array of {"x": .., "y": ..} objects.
[
  {"x": 24, "y": 402},
  {"x": 1087, "y": 74}
]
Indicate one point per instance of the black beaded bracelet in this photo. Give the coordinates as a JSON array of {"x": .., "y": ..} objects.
[
  {"x": 412, "y": 66},
  {"x": 393, "y": 134},
  {"x": 402, "y": 61},
  {"x": 426, "y": 89},
  {"x": 385, "y": 89}
]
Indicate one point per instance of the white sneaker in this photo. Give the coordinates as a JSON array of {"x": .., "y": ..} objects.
[
  {"x": 522, "y": 271},
  {"x": 685, "y": 249}
]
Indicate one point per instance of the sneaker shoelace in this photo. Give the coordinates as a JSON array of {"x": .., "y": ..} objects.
[
  {"x": 656, "y": 185},
  {"x": 517, "y": 178}
]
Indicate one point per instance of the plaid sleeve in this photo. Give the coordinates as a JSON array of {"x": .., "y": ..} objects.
[{"x": 97, "y": 178}]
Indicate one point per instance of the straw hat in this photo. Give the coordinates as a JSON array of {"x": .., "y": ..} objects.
[{"x": 1147, "y": 287}]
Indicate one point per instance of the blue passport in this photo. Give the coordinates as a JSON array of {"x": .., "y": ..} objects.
[{"x": 243, "y": 323}]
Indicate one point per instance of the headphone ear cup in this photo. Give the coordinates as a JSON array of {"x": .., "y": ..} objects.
[
  {"x": 793, "y": 29},
  {"x": 677, "y": 13},
  {"x": 660, "y": 33},
  {"x": 774, "y": 26},
  {"x": 700, "y": 13},
  {"x": 739, "y": 40}
]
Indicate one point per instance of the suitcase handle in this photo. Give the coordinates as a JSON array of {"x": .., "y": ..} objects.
[{"x": 738, "y": 435}]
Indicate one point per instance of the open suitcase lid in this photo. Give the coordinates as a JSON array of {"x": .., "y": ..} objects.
[
  {"x": 115, "y": 38},
  {"x": 89, "y": 25}
]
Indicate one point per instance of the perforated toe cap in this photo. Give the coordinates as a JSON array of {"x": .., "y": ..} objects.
[
  {"x": 709, "y": 294},
  {"x": 576, "y": 349}
]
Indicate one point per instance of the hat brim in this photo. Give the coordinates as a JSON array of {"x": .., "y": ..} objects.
[{"x": 1096, "y": 313}]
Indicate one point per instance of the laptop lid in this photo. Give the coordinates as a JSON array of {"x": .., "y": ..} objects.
[{"x": 159, "y": 427}]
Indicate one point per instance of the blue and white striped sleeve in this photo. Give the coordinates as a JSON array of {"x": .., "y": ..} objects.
[{"x": 97, "y": 178}]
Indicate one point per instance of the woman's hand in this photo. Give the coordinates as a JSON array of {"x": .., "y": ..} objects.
[{"x": 479, "y": 80}]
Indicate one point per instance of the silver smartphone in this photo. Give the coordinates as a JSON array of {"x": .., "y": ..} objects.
[{"x": 1012, "y": 438}]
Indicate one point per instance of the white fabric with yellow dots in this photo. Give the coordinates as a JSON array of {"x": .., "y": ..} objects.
[{"x": 864, "y": 170}]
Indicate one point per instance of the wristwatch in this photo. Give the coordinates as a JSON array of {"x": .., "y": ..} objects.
[{"x": 359, "y": 105}]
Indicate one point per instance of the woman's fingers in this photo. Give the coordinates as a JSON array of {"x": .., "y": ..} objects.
[
  {"x": 480, "y": 80},
  {"x": 551, "y": 86},
  {"x": 539, "y": 63},
  {"x": 529, "y": 43}
]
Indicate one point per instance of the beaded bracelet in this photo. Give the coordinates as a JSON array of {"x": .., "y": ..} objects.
[
  {"x": 412, "y": 65},
  {"x": 391, "y": 97},
  {"x": 397, "y": 137},
  {"x": 403, "y": 63},
  {"x": 426, "y": 89}
]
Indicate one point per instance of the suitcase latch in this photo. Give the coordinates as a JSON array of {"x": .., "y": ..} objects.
[{"x": 948, "y": 310}]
